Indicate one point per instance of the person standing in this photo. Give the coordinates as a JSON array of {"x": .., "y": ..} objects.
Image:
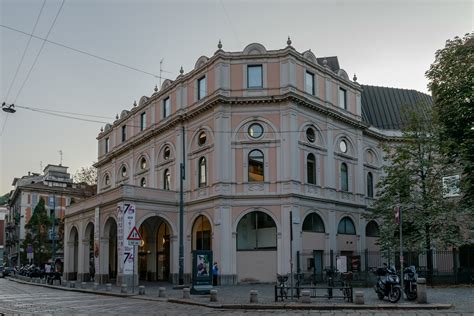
[
  {"x": 215, "y": 274},
  {"x": 92, "y": 270}
]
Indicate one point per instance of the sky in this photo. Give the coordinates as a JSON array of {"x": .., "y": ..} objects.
[{"x": 386, "y": 43}]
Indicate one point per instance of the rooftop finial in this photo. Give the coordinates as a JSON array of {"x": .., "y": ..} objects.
[
  {"x": 354, "y": 78},
  {"x": 181, "y": 70},
  {"x": 135, "y": 103},
  {"x": 325, "y": 62},
  {"x": 219, "y": 45},
  {"x": 101, "y": 129},
  {"x": 116, "y": 116},
  {"x": 288, "y": 42},
  {"x": 156, "y": 88}
]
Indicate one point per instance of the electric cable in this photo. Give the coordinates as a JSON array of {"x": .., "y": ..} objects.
[
  {"x": 86, "y": 53},
  {"x": 40, "y": 50}
]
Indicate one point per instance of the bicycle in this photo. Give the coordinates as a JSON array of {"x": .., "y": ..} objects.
[
  {"x": 346, "y": 280},
  {"x": 283, "y": 288}
]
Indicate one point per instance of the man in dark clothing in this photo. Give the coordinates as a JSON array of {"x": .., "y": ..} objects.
[{"x": 215, "y": 274}]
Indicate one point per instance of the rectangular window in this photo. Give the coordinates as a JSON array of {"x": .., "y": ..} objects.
[
  {"x": 342, "y": 99},
  {"x": 166, "y": 107},
  {"x": 201, "y": 88},
  {"x": 107, "y": 143},
  {"x": 143, "y": 121},
  {"x": 254, "y": 76},
  {"x": 309, "y": 83},
  {"x": 124, "y": 133}
]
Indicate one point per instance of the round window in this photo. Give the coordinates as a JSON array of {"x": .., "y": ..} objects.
[
  {"x": 166, "y": 153},
  {"x": 255, "y": 130},
  {"x": 124, "y": 172},
  {"x": 202, "y": 138},
  {"x": 343, "y": 146},
  {"x": 310, "y": 135},
  {"x": 143, "y": 163}
]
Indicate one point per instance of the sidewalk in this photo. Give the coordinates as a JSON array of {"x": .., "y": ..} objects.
[{"x": 238, "y": 297}]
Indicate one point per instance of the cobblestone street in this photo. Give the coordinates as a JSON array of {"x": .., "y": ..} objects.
[{"x": 24, "y": 299}]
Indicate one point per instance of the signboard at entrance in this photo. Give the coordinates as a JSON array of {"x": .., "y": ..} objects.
[
  {"x": 134, "y": 238},
  {"x": 125, "y": 223},
  {"x": 202, "y": 272}
]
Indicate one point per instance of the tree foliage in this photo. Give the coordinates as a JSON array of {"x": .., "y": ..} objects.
[
  {"x": 451, "y": 83},
  {"x": 87, "y": 175},
  {"x": 414, "y": 168},
  {"x": 38, "y": 227}
]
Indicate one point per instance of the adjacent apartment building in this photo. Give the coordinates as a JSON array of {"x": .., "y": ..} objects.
[
  {"x": 279, "y": 151},
  {"x": 57, "y": 189}
]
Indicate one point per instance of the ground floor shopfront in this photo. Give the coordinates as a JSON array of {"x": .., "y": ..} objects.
[{"x": 251, "y": 238}]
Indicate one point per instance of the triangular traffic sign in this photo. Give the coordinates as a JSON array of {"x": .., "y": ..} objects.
[{"x": 134, "y": 234}]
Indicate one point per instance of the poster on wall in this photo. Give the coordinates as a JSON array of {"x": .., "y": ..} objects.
[
  {"x": 202, "y": 272},
  {"x": 341, "y": 264},
  {"x": 125, "y": 223}
]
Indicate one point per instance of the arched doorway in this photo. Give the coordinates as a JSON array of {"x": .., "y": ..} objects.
[
  {"x": 110, "y": 249},
  {"x": 88, "y": 256},
  {"x": 202, "y": 234},
  {"x": 154, "y": 253},
  {"x": 256, "y": 247},
  {"x": 314, "y": 245},
  {"x": 73, "y": 258}
]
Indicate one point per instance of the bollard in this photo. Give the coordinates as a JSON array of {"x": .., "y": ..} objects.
[
  {"x": 161, "y": 292},
  {"x": 141, "y": 290},
  {"x": 43, "y": 281},
  {"x": 83, "y": 285},
  {"x": 359, "y": 297},
  {"x": 421, "y": 291},
  {"x": 95, "y": 287},
  {"x": 213, "y": 295},
  {"x": 123, "y": 288},
  {"x": 186, "y": 293},
  {"x": 253, "y": 296},
  {"x": 108, "y": 287},
  {"x": 57, "y": 282},
  {"x": 65, "y": 283},
  {"x": 72, "y": 284},
  {"x": 305, "y": 298}
]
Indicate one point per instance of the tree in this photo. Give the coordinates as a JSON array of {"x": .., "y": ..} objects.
[
  {"x": 87, "y": 175},
  {"x": 4, "y": 198},
  {"x": 450, "y": 81},
  {"x": 38, "y": 227},
  {"x": 414, "y": 170}
]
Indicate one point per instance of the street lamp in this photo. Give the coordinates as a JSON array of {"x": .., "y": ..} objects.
[{"x": 8, "y": 108}]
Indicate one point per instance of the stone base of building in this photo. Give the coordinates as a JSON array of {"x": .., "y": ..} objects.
[
  {"x": 227, "y": 279},
  {"x": 70, "y": 276},
  {"x": 186, "y": 278}
]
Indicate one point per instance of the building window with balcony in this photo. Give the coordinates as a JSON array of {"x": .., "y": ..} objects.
[
  {"x": 256, "y": 166},
  {"x": 202, "y": 172},
  {"x": 254, "y": 76},
  {"x": 201, "y": 88},
  {"x": 166, "y": 107},
  {"x": 309, "y": 83},
  {"x": 344, "y": 177},
  {"x": 142, "y": 121},
  {"x": 370, "y": 185},
  {"x": 311, "y": 168},
  {"x": 166, "y": 180},
  {"x": 107, "y": 144},
  {"x": 343, "y": 98},
  {"x": 124, "y": 133}
]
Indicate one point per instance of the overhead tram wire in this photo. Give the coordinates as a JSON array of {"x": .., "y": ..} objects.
[
  {"x": 24, "y": 52},
  {"x": 40, "y": 50},
  {"x": 61, "y": 112},
  {"x": 87, "y": 53}
]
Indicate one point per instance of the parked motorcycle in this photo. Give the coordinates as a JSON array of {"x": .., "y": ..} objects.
[
  {"x": 409, "y": 279},
  {"x": 388, "y": 284}
]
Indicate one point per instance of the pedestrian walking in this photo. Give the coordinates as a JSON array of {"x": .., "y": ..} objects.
[{"x": 215, "y": 274}]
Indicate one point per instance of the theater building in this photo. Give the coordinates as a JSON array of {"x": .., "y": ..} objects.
[{"x": 262, "y": 134}]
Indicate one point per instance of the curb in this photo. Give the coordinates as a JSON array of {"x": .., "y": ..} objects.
[{"x": 246, "y": 306}]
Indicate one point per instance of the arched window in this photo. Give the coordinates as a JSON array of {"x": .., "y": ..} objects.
[
  {"x": 255, "y": 166},
  {"x": 344, "y": 177},
  {"x": 255, "y": 231},
  {"x": 311, "y": 168},
  {"x": 313, "y": 223},
  {"x": 143, "y": 182},
  {"x": 202, "y": 138},
  {"x": 370, "y": 185},
  {"x": 202, "y": 172},
  {"x": 166, "y": 153},
  {"x": 123, "y": 171},
  {"x": 106, "y": 180},
  {"x": 346, "y": 227},
  {"x": 166, "y": 179},
  {"x": 202, "y": 233},
  {"x": 143, "y": 164},
  {"x": 372, "y": 229}
]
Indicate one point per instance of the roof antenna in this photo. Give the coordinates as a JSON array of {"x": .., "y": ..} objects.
[
  {"x": 60, "y": 157},
  {"x": 161, "y": 69}
]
